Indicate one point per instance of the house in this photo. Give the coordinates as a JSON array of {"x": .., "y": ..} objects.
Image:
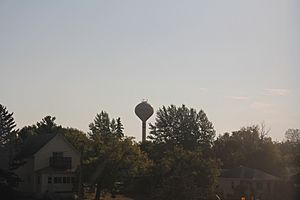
[
  {"x": 247, "y": 182},
  {"x": 50, "y": 165}
]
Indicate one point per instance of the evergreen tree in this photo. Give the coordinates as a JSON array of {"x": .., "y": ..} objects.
[
  {"x": 47, "y": 125},
  {"x": 7, "y": 126},
  {"x": 119, "y": 128},
  {"x": 103, "y": 127},
  {"x": 8, "y": 133},
  {"x": 112, "y": 158},
  {"x": 100, "y": 126},
  {"x": 113, "y": 126},
  {"x": 26, "y": 132}
]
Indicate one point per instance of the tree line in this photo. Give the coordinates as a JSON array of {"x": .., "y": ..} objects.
[{"x": 181, "y": 159}]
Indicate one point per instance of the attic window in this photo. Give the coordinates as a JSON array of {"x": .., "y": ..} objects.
[{"x": 58, "y": 154}]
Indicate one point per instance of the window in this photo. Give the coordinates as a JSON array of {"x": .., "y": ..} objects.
[
  {"x": 59, "y": 179},
  {"x": 232, "y": 184},
  {"x": 39, "y": 179},
  {"x": 49, "y": 179}
]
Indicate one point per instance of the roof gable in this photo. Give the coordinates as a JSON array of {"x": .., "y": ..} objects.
[
  {"x": 33, "y": 144},
  {"x": 36, "y": 142}
]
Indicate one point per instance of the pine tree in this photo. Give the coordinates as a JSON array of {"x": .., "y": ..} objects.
[
  {"x": 100, "y": 126},
  {"x": 104, "y": 127},
  {"x": 7, "y": 126},
  {"x": 8, "y": 133},
  {"x": 119, "y": 129},
  {"x": 47, "y": 126}
]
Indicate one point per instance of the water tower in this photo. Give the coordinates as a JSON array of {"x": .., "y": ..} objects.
[{"x": 144, "y": 111}]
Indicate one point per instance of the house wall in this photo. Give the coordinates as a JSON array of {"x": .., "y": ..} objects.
[
  {"x": 264, "y": 191},
  {"x": 226, "y": 185},
  {"x": 62, "y": 187},
  {"x": 57, "y": 144},
  {"x": 40, "y": 160}
]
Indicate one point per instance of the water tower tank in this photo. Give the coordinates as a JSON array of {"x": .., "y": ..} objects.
[{"x": 144, "y": 111}]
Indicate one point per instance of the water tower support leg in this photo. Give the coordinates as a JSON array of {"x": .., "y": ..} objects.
[{"x": 143, "y": 131}]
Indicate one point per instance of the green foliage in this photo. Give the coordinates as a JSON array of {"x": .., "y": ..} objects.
[
  {"x": 119, "y": 128},
  {"x": 180, "y": 147},
  {"x": 290, "y": 150},
  {"x": 112, "y": 158},
  {"x": 185, "y": 175},
  {"x": 46, "y": 126},
  {"x": 177, "y": 163},
  {"x": 8, "y": 136},
  {"x": 26, "y": 132},
  {"x": 247, "y": 147},
  {"x": 293, "y": 135},
  {"x": 77, "y": 138},
  {"x": 182, "y": 126},
  {"x": 116, "y": 161},
  {"x": 8, "y": 183},
  {"x": 103, "y": 127},
  {"x": 7, "y": 126}
]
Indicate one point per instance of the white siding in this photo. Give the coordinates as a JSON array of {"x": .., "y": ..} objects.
[
  {"x": 58, "y": 187},
  {"x": 57, "y": 144}
]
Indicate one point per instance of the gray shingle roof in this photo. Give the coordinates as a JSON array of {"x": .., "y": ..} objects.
[
  {"x": 33, "y": 144},
  {"x": 247, "y": 173}
]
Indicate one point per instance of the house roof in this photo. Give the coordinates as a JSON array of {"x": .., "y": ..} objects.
[
  {"x": 33, "y": 144},
  {"x": 247, "y": 173}
]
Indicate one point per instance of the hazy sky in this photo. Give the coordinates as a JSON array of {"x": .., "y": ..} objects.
[{"x": 238, "y": 60}]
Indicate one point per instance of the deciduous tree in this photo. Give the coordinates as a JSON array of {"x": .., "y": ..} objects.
[
  {"x": 112, "y": 158},
  {"x": 182, "y": 126},
  {"x": 46, "y": 126},
  {"x": 181, "y": 139},
  {"x": 247, "y": 147},
  {"x": 293, "y": 135}
]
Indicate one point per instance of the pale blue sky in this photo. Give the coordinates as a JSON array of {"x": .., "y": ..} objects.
[{"x": 237, "y": 60}]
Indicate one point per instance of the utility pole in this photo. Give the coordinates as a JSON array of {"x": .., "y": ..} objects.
[{"x": 80, "y": 188}]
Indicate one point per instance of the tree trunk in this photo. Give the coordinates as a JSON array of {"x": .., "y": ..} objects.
[{"x": 98, "y": 192}]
